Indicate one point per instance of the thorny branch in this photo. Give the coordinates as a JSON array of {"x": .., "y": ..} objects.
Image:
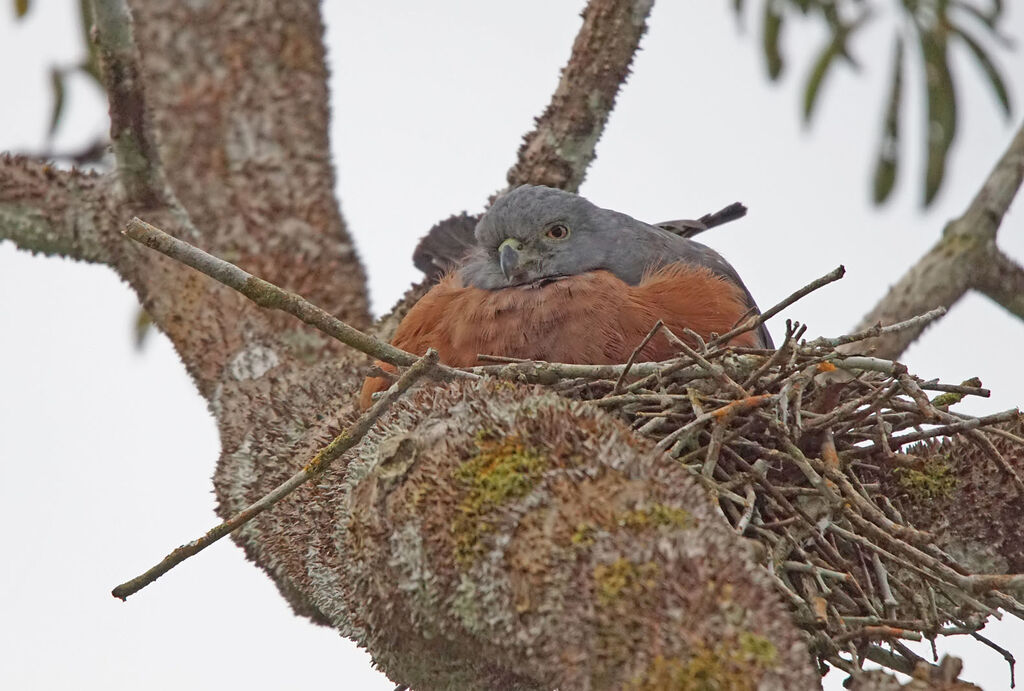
[{"x": 559, "y": 150}]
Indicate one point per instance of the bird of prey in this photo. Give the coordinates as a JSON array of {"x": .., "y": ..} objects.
[{"x": 551, "y": 276}]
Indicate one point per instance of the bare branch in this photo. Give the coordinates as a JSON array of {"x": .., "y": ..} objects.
[
  {"x": 560, "y": 148},
  {"x": 756, "y": 321},
  {"x": 316, "y": 466},
  {"x": 965, "y": 257},
  {"x": 268, "y": 295},
  {"x": 1003, "y": 282}
]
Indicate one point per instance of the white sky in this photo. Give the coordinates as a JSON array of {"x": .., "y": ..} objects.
[{"x": 106, "y": 453}]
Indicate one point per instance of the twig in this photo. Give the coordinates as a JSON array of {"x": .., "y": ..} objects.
[
  {"x": 316, "y": 466},
  {"x": 755, "y": 322},
  {"x": 636, "y": 352},
  {"x": 919, "y": 321},
  {"x": 715, "y": 372},
  {"x": 942, "y": 430},
  {"x": 266, "y": 294}
]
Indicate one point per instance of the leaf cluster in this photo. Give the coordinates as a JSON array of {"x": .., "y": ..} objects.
[
  {"x": 59, "y": 74},
  {"x": 925, "y": 28}
]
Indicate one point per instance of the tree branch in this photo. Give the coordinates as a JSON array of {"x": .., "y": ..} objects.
[
  {"x": 1003, "y": 282},
  {"x": 268, "y": 295},
  {"x": 54, "y": 212},
  {"x": 965, "y": 257},
  {"x": 139, "y": 170},
  {"x": 504, "y": 537},
  {"x": 314, "y": 468},
  {"x": 560, "y": 148}
]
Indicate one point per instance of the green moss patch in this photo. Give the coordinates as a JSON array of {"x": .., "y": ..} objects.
[
  {"x": 502, "y": 469},
  {"x": 935, "y": 480}
]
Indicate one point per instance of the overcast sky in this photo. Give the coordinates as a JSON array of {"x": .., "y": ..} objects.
[{"x": 106, "y": 453}]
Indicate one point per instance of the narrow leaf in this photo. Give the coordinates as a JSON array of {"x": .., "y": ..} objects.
[
  {"x": 57, "y": 82},
  {"x": 821, "y": 67},
  {"x": 888, "y": 160},
  {"x": 142, "y": 328},
  {"x": 737, "y": 7},
  {"x": 941, "y": 108},
  {"x": 20, "y": 8},
  {"x": 772, "y": 33},
  {"x": 991, "y": 71}
]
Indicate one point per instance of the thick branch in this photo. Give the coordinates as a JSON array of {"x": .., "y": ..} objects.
[
  {"x": 951, "y": 490},
  {"x": 54, "y": 212},
  {"x": 964, "y": 258},
  {"x": 1003, "y": 282},
  {"x": 561, "y": 146},
  {"x": 502, "y": 537},
  {"x": 138, "y": 160},
  {"x": 237, "y": 94}
]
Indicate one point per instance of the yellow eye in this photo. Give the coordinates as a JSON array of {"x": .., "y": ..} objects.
[{"x": 558, "y": 232}]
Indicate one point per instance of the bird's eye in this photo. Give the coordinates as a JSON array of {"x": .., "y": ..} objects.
[{"x": 558, "y": 231}]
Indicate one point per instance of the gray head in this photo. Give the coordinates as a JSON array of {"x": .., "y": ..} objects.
[{"x": 534, "y": 233}]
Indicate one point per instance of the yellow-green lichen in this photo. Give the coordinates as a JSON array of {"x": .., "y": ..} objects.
[
  {"x": 502, "y": 469},
  {"x": 622, "y": 579},
  {"x": 934, "y": 480},
  {"x": 729, "y": 666},
  {"x": 583, "y": 535},
  {"x": 655, "y": 515}
]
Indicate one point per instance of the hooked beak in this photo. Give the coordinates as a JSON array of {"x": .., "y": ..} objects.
[{"x": 508, "y": 256}]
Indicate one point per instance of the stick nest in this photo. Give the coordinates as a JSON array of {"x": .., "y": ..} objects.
[{"x": 792, "y": 443}]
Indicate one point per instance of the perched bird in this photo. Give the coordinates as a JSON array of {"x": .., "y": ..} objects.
[{"x": 553, "y": 277}]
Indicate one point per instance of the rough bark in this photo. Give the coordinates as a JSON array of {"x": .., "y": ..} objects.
[
  {"x": 236, "y": 99},
  {"x": 559, "y": 150}
]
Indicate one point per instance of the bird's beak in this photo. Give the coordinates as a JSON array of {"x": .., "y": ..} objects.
[{"x": 508, "y": 256}]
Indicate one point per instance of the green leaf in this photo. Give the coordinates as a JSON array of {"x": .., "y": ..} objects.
[
  {"x": 142, "y": 328},
  {"x": 771, "y": 35},
  {"x": 887, "y": 163},
  {"x": 57, "y": 82},
  {"x": 821, "y": 66},
  {"x": 20, "y": 8},
  {"x": 941, "y": 107},
  {"x": 991, "y": 71}
]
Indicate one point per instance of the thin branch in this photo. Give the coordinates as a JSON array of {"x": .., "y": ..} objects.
[
  {"x": 138, "y": 161},
  {"x": 918, "y": 322},
  {"x": 316, "y": 466},
  {"x": 724, "y": 379},
  {"x": 1003, "y": 282},
  {"x": 940, "y": 431},
  {"x": 636, "y": 352},
  {"x": 561, "y": 146},
  {"x": 268, "y": 295},
  {"x": 756, "y": 321}
]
